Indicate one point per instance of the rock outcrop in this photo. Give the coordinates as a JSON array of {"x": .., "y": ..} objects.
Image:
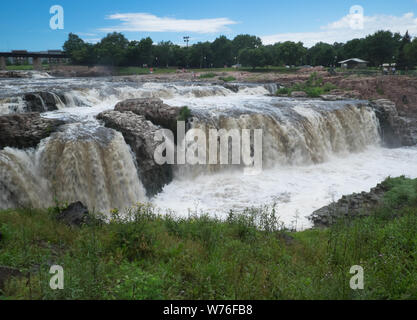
[
  {"x": 350, "y": 206},
  {"x": 42, "y": 101},
  {"x": 153, "y": 110},
  {"x": 139, "y": 134},
  {"x": 396, "y": 130},
  {"x": 298, "y": 94},
  {"x": 75, "y": 215},
  {"x": 25, "y": 130}
]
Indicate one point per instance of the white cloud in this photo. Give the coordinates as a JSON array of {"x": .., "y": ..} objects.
[
  {"x": 341, "y": 31},
  {"x": 145, "y": 22}
]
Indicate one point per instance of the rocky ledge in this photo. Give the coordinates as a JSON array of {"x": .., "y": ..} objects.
[
  {"x": 139, "y": 135},
  {"x": 25, "y": 130},
  {"x": 153, "y": 110},
  {"x": 42, "y": 101},
  {"x": 396, "y": 130},
  {"x": 350, "y": 206}
]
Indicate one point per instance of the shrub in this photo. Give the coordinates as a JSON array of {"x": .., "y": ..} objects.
[
  {"x": 228, "y": 79},
  {"x": 208, "y": 75},
  {"x": 185, "y": 114}
]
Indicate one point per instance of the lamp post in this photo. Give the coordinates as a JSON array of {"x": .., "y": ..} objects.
[{"x": 187, "y": 40}]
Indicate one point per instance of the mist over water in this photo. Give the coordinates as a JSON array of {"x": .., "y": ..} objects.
[{"x": 314, "y": 151}]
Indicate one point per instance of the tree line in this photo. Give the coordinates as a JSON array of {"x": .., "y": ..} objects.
[{"x": 247, "y": 50}]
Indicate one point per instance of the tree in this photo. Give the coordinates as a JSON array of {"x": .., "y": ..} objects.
[
  {"x": 112, "y": 50},
  {"x": 353, "y": 49},
  {"x": 404, "y": 62},
  {"x": 163, "y": 52},
  {"x": 73, "y": 43},
  {"x": 222, "y": 52},
  {"x": 410, "y": 51},
  {"x": 253, "y": 57},
  {"x": 200, "y": 55},
  {"x": 382, "y": 47},
  {"x": 245, "y": 41},
  {"x": 289, "y": 53},
  {"x": 322, "y": 54},
  {"x": 79, "y": 51}
]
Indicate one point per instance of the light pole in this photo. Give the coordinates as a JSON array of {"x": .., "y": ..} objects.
[{"x": 187, "y": 40}]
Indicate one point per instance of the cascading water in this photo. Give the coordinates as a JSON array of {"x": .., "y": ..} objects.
[
  {"x": 84, "y": 163},
  {"x": 313, "y": 151}
]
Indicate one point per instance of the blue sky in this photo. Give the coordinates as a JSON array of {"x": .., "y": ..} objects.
[{"x": 24, "y": 24}]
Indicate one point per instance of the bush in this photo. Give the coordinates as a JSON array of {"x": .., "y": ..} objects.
[
  {"x": 208, "y": 75},
  {"x": 185, "y": 114},
  {"x": 227, "y": 79}
]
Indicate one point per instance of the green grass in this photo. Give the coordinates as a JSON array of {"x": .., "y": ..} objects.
[
  {"x": 208, "y": 75},
  {"x": 124, "y": 71},
  {"x": 248, "y": 256},
  {"x": 24, "y": 67},
  {"x": 227, "y": 79},
  {"x": 314, "y": 87}
]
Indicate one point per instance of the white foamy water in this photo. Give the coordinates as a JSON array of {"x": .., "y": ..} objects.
[{"x": 297, "y": 190}]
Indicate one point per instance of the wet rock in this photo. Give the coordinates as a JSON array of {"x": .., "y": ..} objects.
[
  {"x": 349, "y": 206},
  {"x": 139, "y": 134},
  {"x": 396, "y": 130},
  {"x": 6, "y": 274},
  {"x": 75, "y": 215},
  {"x": 14, "y": 74},
  {"x": 331, "y": 97},
  {"x": 153, "y": 110},
  {"x": 232, "y": 87},
  {"x": 298, "y": 94},
  {"x": 42, "y": 101},
  {"x": 25, "y": 130}
]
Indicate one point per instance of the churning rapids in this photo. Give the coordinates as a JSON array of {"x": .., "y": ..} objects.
[{"x": 313, "y": 151}]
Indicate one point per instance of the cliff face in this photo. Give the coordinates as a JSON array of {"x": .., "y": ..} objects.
[
  {"x": 401, "y": 90},
  {"x": 25, "y": 130}
]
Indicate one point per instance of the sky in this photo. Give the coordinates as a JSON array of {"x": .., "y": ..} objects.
[{"x": 25, "y": 24}]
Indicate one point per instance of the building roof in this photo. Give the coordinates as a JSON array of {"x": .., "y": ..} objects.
[{"x": 354, "y": 60}]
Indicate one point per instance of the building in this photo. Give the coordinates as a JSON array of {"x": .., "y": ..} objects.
[{"x": 353, "y": 63}]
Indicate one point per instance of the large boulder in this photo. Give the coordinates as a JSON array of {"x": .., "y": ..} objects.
[
  {"x": 25, "y": 130},
  {"x": 153, "y": 110},
  {"x": 75, "y": 215},
  {"x": 139, "y": 134}
]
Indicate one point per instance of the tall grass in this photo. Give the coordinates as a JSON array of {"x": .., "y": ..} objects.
[{"x": 141, "y": 254}]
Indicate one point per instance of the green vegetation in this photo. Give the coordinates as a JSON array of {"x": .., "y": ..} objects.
[
  {"x": 142, "y": 255},
  {"x": 115, "y": 50},
  {"x": 227, "y": 79},
  {"x": 208, "y": 75},
  {"x": 313, "y": 87},
  {"x": 124, "y": 71},
  {"x": 185, "y": 114}
]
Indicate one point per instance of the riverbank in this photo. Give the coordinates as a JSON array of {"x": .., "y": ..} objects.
[{"x": 160, "y": 257}]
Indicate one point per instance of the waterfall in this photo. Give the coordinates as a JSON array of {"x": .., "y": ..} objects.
[
  {"x": 295, "y": 135},
  {"x": 82, "y": 163},
  {"x": 87, "y": 162}
]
